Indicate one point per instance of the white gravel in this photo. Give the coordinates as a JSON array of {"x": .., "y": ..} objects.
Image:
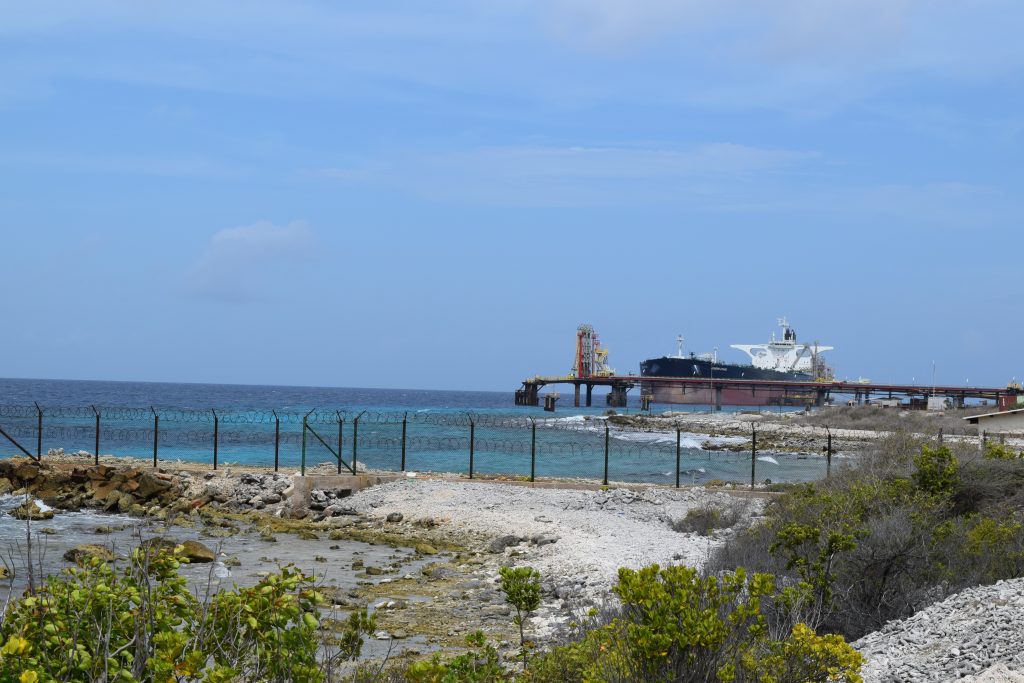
[
  {"x": 597, "y": 531},
  {"x": 974, "y": 633}
]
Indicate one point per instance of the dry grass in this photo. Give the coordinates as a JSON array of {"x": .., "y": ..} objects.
[{"x": 894, "y": 420}]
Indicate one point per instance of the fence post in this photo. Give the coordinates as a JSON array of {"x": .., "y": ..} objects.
[
  {"x": 39, "y": 432},
  {"x": 405, "y": 418},
  {"x": 753, "y": 454},
  {"x": 305, "y": 426},
  {"x": 216, "y": 436},
  {"x": 277, "y": 438},
  {"x": 940, "y": 436},
  {"x": 678, "y": 438},
  {"x": 96, "y": 454},
  {"x": 341, "y": 436},
  {"x": 828, "y": 454},
  {"x": 606, "y": 437},
  {"x": 533, "y": 449},
  {"x": 156, "y": 433},
  {"x": 472, "y": 438},
  {"x": 355, "y": 440}
]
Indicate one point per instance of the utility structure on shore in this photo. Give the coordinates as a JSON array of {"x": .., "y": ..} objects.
[{"x": 590, "y": 369}]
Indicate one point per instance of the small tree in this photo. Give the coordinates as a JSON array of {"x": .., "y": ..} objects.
[
  {"x": 936, "y": 470},
  {"x": 521, "y": 586}
]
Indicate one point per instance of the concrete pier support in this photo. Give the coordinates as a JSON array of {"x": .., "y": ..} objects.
[
  {"x": 529, "y": 395},
  {"x": 617, "y": 396},
  {"x": 576, "y": 395},
  {"x": 590, "y": 395}
]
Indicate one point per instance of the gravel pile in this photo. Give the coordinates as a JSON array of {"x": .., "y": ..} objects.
[
  {"x": 578, "y": 539},
  {"x": 969, "y": 634}
]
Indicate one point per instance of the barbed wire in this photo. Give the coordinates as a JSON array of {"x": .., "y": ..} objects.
[
  {"x": 572, "y": 446},
  {"x": 142, "y": 439},
  {"x": 314, "y": 417}
]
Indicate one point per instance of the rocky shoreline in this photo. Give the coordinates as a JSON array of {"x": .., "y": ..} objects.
[
  {"x": 459, "y": 533},
  {"x": 780, "y": 432},
  {"x": 577, "y": 538}
]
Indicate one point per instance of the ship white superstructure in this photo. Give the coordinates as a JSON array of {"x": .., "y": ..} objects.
[{"x": 786, "y": 354}]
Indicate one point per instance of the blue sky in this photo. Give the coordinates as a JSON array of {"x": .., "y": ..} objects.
[{"x": 434, "y": 195}]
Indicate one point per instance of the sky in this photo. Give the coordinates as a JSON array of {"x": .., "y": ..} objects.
[{"x": 435, "y": 195}]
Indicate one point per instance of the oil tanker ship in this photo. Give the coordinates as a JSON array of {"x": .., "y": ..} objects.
[{"x": 780, "y": 359}]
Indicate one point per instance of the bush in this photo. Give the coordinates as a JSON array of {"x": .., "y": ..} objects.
[
  {"x": 679, "y": 626},
  {"x": 479, "y": 665},
  {"x": 936, "y": 470},
  {"x": 141, "y": 623},
  {"x": 857, "y": 551},
  {"x": 706, "y": 519},
  {"x": 999, "y": 451}
]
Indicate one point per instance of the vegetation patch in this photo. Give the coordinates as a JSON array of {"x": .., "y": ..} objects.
[{"x": 706, "y": 519}]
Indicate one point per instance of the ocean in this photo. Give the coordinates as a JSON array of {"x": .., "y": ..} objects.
[{"x": 387, "y": 429}]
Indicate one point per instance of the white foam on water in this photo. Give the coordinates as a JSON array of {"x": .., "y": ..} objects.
[
  {"x": 646, "y": 437},
  {"x": 686, "y": 439},
  {"x": 566, "y": 420},
  {"x": 768, "y": 458}
]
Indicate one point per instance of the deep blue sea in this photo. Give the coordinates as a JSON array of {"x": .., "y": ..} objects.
[{"x": 252, "y": 424}]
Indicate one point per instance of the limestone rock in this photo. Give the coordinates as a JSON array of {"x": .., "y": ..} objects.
[
  {"x": 84, "y": 550},
  {"x": 150, "y": 485},
  {"x": 196, "y": 552},
  {"x": 31, "y": 510},
  {"x": 499, "y": 544}
]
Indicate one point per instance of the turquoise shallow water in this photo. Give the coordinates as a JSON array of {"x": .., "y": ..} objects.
[{"x": 250, "y": 420}]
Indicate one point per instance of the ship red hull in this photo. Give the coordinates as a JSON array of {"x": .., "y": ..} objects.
[{"x": 673, "y": 393}]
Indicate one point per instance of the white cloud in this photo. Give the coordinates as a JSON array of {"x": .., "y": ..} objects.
[{"x": 240, "y": 264}]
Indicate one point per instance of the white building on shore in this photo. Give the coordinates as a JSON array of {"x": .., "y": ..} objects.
[{"x": 1005, "y": 421}]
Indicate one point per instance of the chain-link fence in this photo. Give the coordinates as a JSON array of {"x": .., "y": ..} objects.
[{"x": 473, "y": 444}]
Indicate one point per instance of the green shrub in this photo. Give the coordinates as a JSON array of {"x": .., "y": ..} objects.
[
  {"x": 141, "y": 623},
  {"x": 679, "y": 626},
  {"x": 861, "y": 549},
  {"x": 480, "y": 665},
  {"x": 936, "y": 470},
  {"x": 1000, "y": 451}
]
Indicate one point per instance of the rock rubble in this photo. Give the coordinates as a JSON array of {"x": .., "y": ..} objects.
[{"x": 968, "y": 634}]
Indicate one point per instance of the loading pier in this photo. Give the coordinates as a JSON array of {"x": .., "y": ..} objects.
[
  {"x": 792, "y": 393},
  {"x": 590, "y": 369}
]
